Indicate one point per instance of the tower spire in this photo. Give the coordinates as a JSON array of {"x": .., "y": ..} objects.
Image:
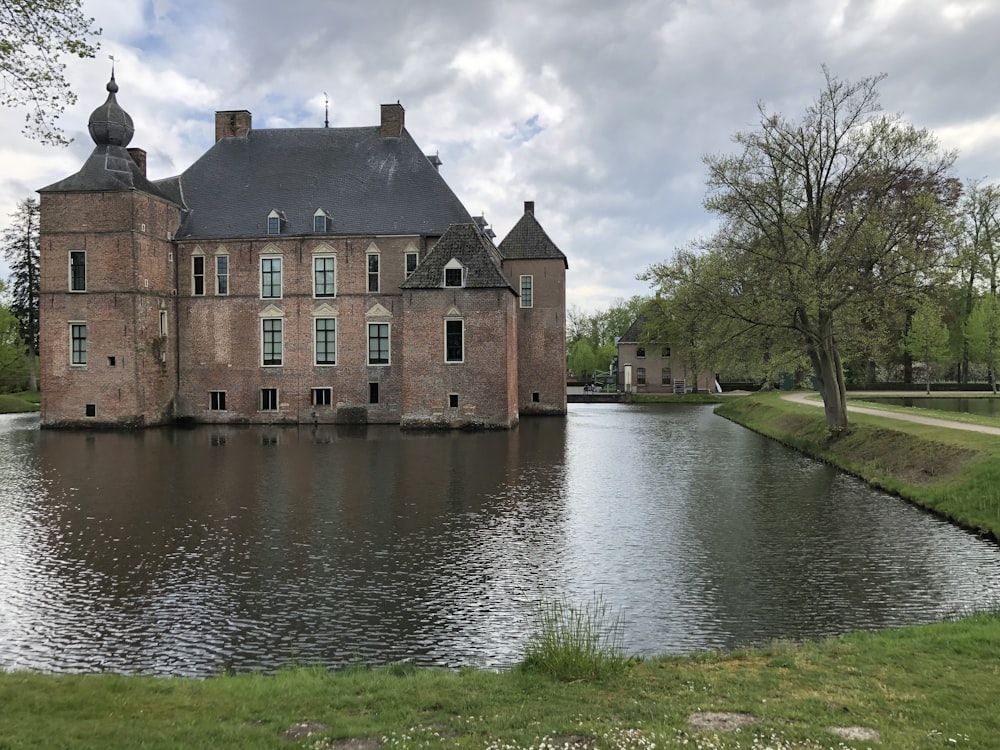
[{"x": 326, "y": 122}]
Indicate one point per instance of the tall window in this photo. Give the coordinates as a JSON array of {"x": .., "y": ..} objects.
[
  {"x": 411, "y": 262},
  {"x": 324, "y": 276},
  {"x": 453, "y": 341},
  {"x": 271, "y": 341},
  {"x": 198, "y": 275},
  {"x": 163, "y": 322},
  {"x": 640, "y": 376},
  {"x": 78, "y": 343},
  {"x": 78, "y": 271},
  {"x": 665, "y": 376},
  {"x": 270, "y": 278},
  {"x": 326, "y": 341},
  {"x": 527, "y": 291},
  {"x": 373, "y": 393},
  {"x": 269, "y": 399},
  {"x": 378, "y": 343},
  {"x": 222, "y": 274},
  {"x": 373, "y": 281}
]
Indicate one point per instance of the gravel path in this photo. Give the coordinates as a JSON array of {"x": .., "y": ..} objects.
[{"x": 813, "y": 399}]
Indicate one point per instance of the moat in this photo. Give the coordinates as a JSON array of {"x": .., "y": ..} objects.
[{"x": 190, "y": 552}]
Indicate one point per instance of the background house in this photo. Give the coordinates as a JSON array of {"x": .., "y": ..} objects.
[{"x": 650, "y": 366}]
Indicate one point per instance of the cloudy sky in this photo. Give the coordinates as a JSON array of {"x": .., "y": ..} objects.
[{"x": 598, "y": 111}]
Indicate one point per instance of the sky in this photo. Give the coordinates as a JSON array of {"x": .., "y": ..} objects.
[{"x": 599, "y": 112}]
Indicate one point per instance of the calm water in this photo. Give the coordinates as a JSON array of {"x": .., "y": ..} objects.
[
  {"x": 190, "y": 552},
  {"x": 986, "y": 407}
]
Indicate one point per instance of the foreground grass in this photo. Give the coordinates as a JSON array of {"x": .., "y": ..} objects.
[
  {"x": 955, "y": 473},
  {"x": 922, "y": 687},
  {"x": 12, "y": 403}
]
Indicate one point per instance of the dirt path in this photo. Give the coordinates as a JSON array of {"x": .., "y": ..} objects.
[{"x": 813, "y": 399}]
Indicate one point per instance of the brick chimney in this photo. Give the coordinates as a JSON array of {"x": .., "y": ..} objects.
[
  {"x": 139, "y": 157},
  {"x": 393, "y": 116},
  {"x": 234, "y": 123},
  {"x": 529, "y": 207}
]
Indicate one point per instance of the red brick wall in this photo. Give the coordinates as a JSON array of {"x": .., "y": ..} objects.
[{"x": 542, "y": 336}]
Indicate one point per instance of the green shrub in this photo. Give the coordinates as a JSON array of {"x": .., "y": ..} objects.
[{"x": 576, "y": 642}]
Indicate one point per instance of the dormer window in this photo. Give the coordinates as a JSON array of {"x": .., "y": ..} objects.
[
  {"x": 321, "y": 221},
  {"x": 454, "y": 274},
  {"x": 275, "y": 220}
]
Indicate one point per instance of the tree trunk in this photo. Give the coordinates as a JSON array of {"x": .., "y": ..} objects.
[{"x": 830, "y": 376}]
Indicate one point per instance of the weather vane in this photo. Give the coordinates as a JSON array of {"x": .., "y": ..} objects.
[{"x": 326, "y": 122}]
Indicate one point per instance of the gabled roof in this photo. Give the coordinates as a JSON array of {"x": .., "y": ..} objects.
[
  {"x": 109, "y": 168},
  {"x": 635, "y": 332},
  {"x": 527, "y": 240},
  {"x": 465, "y": 243},
  {"x": 367, "y": 183}
]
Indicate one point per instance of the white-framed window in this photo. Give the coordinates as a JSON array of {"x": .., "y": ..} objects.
[
  {"x": 197, "y": 275},
  {"x": 222, "y": 274},
  {"x": 217, "y": 400},
  {"x": 454, "y": 274},
  {"x": 324, "y": 276},
  {"x": 78, "y": 344},
  {"x": 321, "y": 221},
  {"x": 270, "y": 277},
  {"x": 372, "y": 263},
  {"x": 527, "y": 291},
  {"x": 325, "y": 341},
  {"x": 378, "y": 344},
  {"x": 454, "y": 340},
  {"x": 410, "y": 260},
  {"x": 274, "y": 222},
  {"x": 269, "y": 399},
  {"x": 78, "y": 270},
  {"x": 272, "y": 342},
  {"x": 321, "y": 396},
  {"x": 163, "y": 322}
]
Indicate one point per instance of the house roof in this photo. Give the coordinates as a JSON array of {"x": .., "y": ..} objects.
[
  {"x": 366, "y": 183},
  {"x": 527, "y": 240},
  {"x": 634, "y": 333},
  {"x": 466, "y": 244}
]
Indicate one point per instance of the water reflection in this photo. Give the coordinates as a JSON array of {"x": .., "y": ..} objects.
[{"x": 193, "y": 551}]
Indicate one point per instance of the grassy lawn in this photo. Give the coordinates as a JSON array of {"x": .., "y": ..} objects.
[
  {"x": 671, "y": 398},
  {"x": 12, "y": 403},
  {"x": 955, "y": 416},
  {"x": 955, "y": 473},
  {"x": 922, "y": 687}
]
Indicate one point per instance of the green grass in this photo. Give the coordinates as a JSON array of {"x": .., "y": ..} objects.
[
  {"x": 922, "y": 687},
  {"x": 671, "y": 398},
  {"x": 955, "y": 473},
  {"x": 12, "y": 403}
]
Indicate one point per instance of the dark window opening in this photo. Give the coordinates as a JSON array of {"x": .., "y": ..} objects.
[
  {"x": 453, "y": 400},
  {"x": 322, "y": 396},
  {"x": 453, "y": 350},
  {"x": 640, "y": 352},
  {"x": 198, "y": 275},
  {"x": 217, "y": 400},
  {"x": 536, "y": 397},
  {"x": 90, "y": 410},
  {"x": 268, "y": 399},
  {"x": 78, "y": 271},
  {"x": 453, "y": 277},
  {"x": 373, "y": 273},
  {"x": 373, "y": 393},
  {"x": 111, "y": 361}
]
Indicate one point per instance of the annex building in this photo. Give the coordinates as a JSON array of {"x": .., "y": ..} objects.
[{"x": 304, "y": 275}]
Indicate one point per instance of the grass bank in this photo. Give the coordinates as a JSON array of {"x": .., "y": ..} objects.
[
  {"x": 922, "y": 687},
  {"x": 954, "y": 473},
  {"x": 12, "y": 403},
  {"x": 671, "y": 398}
]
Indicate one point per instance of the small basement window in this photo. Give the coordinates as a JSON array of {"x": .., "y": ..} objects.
[{"x": 453, "y": 400}]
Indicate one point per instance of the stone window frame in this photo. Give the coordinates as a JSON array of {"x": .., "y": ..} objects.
[
  {"x": 271, "y": 256},
  {"x": 197, "y": 273},
  {"x": 268, "y": 400},
  {"x": 453, "y": 275},
  {"x": 217, "y": 401},
  {"x": 321, "y": 221},
  {"x": 527, "y": 288},
  {"x": 77, "y": 271},
  {"x": 378, "y": 361},
  {"x": 222, "y": 273},
  {"x": 78, "y": 343},
  {"x": 324, "y": 253},
  {"x": 277, "y": 342},
  {"x": 449, "y": 322},
  {"x": 373, "y": 278},
  {"x": 275, "y": 222},
  {"x": 336, "y": 333},
  {"x": 321, "y": 396}
]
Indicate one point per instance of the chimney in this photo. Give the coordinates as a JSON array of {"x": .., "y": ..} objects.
[
  {"x": 529, "y": 207},
  {"x": 232, "y": 124},
  {"x": 392, "y": 120},
  {"x": 139, "y": 157}
]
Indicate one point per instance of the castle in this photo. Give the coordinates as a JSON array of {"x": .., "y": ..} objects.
[{"x": 305, "y": 275}]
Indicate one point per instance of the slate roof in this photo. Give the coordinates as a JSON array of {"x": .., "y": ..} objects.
[
  {"x": 467, "y": 244},
  {"x": 527, "y": 240},
  {"x": 367, "y": 183},
  {"x": 636, "y": 331}
]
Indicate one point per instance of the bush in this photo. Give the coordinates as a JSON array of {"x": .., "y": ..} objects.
[{"x": 573, "y": 642}]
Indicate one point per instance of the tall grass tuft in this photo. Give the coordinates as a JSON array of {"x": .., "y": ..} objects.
[{"x": 577, "y": 642}]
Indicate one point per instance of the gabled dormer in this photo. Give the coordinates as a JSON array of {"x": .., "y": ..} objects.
[
  {"x": 275, "y": 221},
  {"x": 454, "y": 274}
]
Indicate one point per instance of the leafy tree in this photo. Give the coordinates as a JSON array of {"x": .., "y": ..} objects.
[
  {"x": 982, "y": 334},
  {"x": 19, "y": 243},
  {"x": 34, "y": 36},
  {"x": 582, "y": 359},
  {"x": 599, "y": 329},
  {"x": 823, "y": 222},
  {"x": 927, "y": 338},
  {"x": 13, "y": 364}
]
